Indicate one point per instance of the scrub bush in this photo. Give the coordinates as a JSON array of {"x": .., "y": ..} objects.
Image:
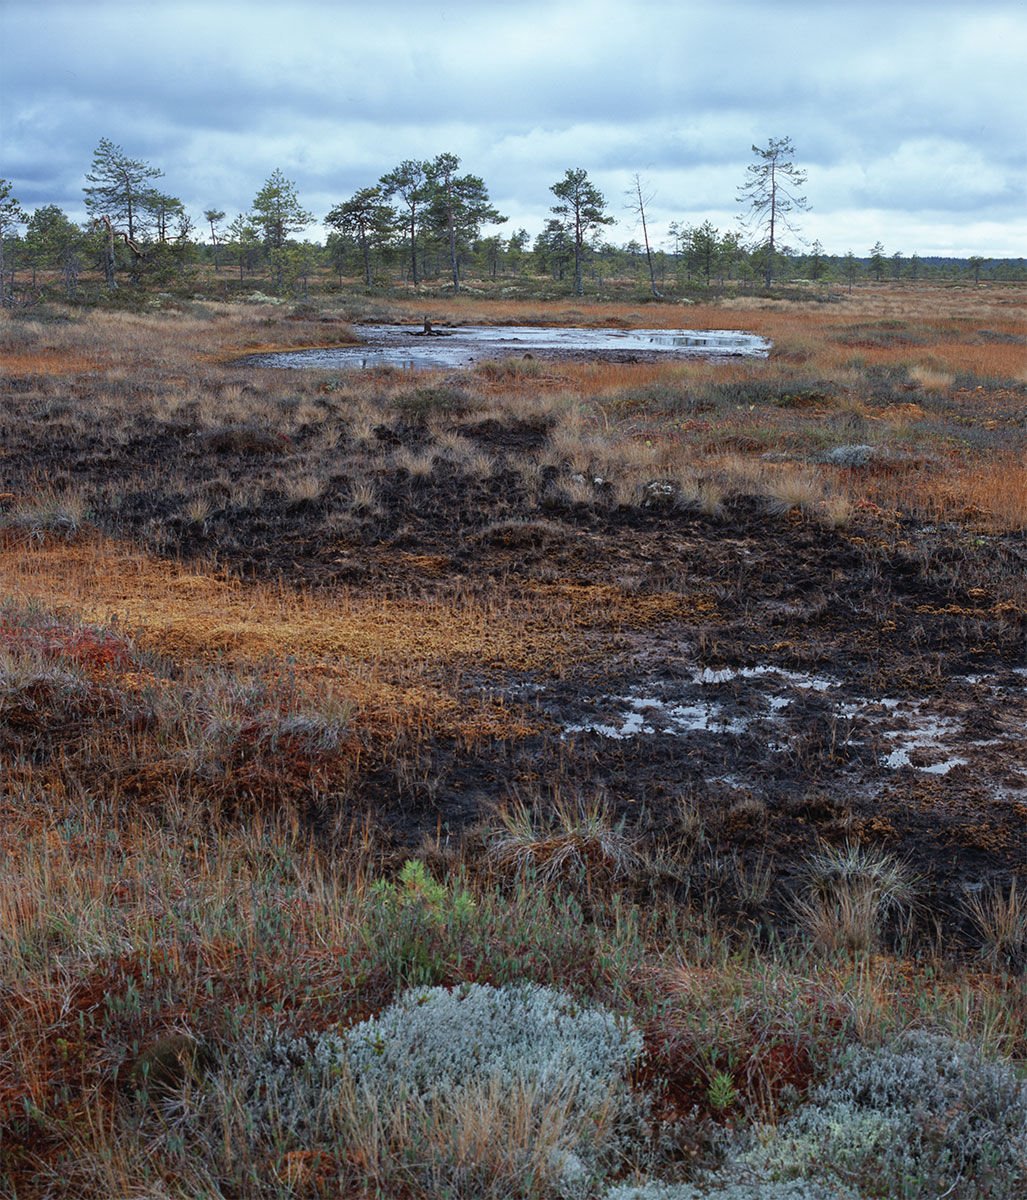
[
  {"x": 799, "y": 1189},
  {"x": 433, "y": 1039},
  {"x": 924, "y": 1117},
  {"x": 511, "y": 1091}
]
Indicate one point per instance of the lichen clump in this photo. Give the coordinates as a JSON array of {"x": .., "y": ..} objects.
[{"x": 517, "y": 1090}]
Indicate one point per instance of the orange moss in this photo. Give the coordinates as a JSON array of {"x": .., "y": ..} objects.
[
  {"x": 53, "y": 362},
  {"x": 395, "y": 660},
  {"x": 611, "y": 604}
]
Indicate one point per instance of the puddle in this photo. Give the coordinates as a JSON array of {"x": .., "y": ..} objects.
[
  {"x": 928, "y": 736},
  {"x": 652, "y": 715},
  {"x": 407, "y": 348},
  {"x": 692, "y": 708}
]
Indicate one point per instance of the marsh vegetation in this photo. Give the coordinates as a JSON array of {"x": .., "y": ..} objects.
[{"x": 677, "y": 705}]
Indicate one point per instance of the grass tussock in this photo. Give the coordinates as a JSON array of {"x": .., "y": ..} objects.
[
  {"x": 567, "y": 840},
  {"x": 1000, "y": 918},
  {"x": 850, "y": 892}
]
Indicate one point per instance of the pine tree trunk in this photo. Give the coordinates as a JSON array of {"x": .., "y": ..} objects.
[{"x": 109, "y": 260}]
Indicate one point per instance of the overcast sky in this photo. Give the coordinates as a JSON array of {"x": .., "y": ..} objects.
[{"x": 908, "y": 116}]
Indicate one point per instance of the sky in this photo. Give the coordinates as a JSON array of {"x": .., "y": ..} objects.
[{"x": 909, "y": 117}]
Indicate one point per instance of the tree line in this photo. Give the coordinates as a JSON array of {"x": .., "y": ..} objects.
[{"x": 427, "y": 219}]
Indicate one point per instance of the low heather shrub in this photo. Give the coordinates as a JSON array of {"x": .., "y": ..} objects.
[
  {"x": 439, "y": 1039},
  {"x": 797, "y": 1189},
  {"x": 851, "y": 455},
  {"x": 515, "y": 1091},
  {"x": 924, "y": 1117},
  {"x": 423, "y": 403}
]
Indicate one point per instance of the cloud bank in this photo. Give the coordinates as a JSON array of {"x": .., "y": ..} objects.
[{"x": 908, "y": 116}]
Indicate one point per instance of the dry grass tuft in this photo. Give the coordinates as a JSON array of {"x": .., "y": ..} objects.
[
  {"x": 48, "y": 513},
  {"x": 931, "y": 379},
  {"x": 834, "y": 511},
  {"x": 304, "y": 489},
  {"x": 1000, "y": 919},
  {"x": 418, "y": 464},
  {"x": 794, "y": 489},
  {"x": 568, "y": 841},
  {"x": 851, "y": 891},
  {"x": 363, "y": 499}
]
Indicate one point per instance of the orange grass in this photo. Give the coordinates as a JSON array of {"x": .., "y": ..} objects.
[
  {"x": 53, "y": 362},
  {"x": 599, "y": 378},
  {"x": 959, "y": 351},
  {"x": 189, "y": 614},
  {"x": 995, "y": 308},
  {"x": 396, "y": 660},
  {"x": 989, "y": 495},
  {"x": 386, "y": 656},
  {"x": 935, "y": 328}
]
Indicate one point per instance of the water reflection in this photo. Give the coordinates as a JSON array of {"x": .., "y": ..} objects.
[
  {"x": 405, "y": 348},
  {"x": 671, "y": 337}
]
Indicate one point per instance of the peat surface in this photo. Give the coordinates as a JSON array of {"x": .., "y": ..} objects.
[{"x": 795, "y": 683}]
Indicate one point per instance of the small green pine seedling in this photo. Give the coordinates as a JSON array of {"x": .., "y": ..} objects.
[
  {"x": 417, "y": 888},
  {"x": 721, "y": 1092}
]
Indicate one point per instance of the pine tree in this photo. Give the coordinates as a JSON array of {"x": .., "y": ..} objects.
[
  {"x": 367, "y": 219},
  {"x": 119, "y": 188},
  {"x": 410, "y": 182},
  {"x": 582, "y": 211},
  {"x": 770, "y": 195},
  {"x": 877, "y": 261},
  {"x": 277, "y": 213},
  {"x": 11, "y": 214},
  {"x": 459, "y": 206}
]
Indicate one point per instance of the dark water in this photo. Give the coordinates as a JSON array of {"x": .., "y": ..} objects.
[{"x": 405, "y": 347}]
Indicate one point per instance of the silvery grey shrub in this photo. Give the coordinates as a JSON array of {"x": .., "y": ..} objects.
[
  {"x": 924, "y": 1117},
  {"x": 860, "y": 455},
  {"x": 434, "y": 1038},
  {"x": 433, "y": 1045},
  {"x": 796, "y": 1189}
]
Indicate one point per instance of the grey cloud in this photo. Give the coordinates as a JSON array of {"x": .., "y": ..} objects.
[{"x": 221, "y": 93}]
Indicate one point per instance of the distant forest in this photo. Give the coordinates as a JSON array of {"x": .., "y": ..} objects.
[{"x": 429, "y": 223}]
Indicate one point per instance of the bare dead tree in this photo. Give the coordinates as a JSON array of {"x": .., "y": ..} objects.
[{"x": 637, "y": 205}]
